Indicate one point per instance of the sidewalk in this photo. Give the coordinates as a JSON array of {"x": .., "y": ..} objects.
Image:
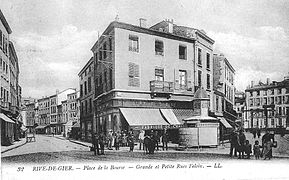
[
  {"x": 13, "y": 146},
  {"x": 219, "y": 150}
]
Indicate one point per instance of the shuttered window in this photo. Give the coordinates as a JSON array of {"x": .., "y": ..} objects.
[
  {"x": 133, "y": 75},
  {"x": 159, "y": 47},
  {"x": 133, "y": 43}
]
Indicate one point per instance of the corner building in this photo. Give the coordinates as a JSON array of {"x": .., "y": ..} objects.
[{"x": 145, "y": 78}]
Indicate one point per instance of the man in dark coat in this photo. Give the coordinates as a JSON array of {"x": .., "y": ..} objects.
[
  {"x": 233, "y": 143},
  {"x": 130, "y": 140},
  {"x": 165, "y": 139},
  {"x": 241, "y": 144},
  {"x": 95, "y": 144},
  {"x": 101, "y": 141}
]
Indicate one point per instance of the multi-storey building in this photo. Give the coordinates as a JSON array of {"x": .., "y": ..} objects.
[
  {"x": 272, "y": 96},
  {"x": 73, "y": 106},
  {"x": 30, "y": 115},
  {"x": 224, "y": 87},
  {"x": 146, "y": 77},
  {"x": 43, "y": 114},
  {"x": 87, "y": 94},
  {"x": 9, "y": 95}
]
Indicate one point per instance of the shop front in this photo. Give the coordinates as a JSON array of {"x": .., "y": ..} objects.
[{"x": 7, "y": 130}]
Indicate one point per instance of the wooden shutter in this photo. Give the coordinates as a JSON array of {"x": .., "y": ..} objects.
[
  {"x": 177, "y": 79},
  {"x": 189, "y": 80}
]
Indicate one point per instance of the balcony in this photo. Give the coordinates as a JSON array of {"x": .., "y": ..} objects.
[{"x": 161, "y": 88}]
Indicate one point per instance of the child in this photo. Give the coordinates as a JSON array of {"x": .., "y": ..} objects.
[
  {"x": 248, "y": 149},
  {"x": 257, "y": 150}
]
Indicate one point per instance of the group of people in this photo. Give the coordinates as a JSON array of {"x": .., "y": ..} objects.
[
  {"x": 148, "y": 141},
  {"x": 241, "y": 145}
]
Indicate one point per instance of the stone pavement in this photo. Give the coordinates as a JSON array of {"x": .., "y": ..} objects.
[{"x": 16, "y": 144}]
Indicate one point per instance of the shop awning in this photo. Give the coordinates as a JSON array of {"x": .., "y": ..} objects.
[
  {"x": 41, "y": 127},
  {"x": 201, "y": 118},
  {"x": 5, "y": 118},
  {"x": 183, "y": 114},
  {"x": 225, "y": 122},
  {"x": 170, "y": 116},
  {"x": 143, "y": 117}
]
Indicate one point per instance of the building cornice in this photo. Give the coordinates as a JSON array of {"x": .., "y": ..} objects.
[{"x": 5, "y": 23}]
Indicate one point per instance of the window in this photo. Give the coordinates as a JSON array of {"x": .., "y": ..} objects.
[
  {"x": 199, "y": 56},
  {"x": 90, "y": 105},
  {"x": 265, "y": 101},
  {"x": 272, "y": 122},
  {"x": 182, "y": 52},
  {"x": 271, "y": 100},
  {"x": 159, "y": 74},
  {"x": 104, "y": 51},
  {"x": 89, "y": 84},
  {"x": 264, "y": 93},
  {"x": 159, "y": 47},
  {"x": 110, "y": 44},
  {"x": 258, "y": 93},
  {"x": 133, "y": 43},
  {"x": 85, "y": 88},
  {"x": 183, "y": 79},
  {"x": 257, "y": 101},
  {"x": 251, "y": 93},
  {"x": 217, "y": 103},
  {"x": 208, "y": 60},
  {"x": 110, "y": 78},
  {"x": 81, "y": 89},
  {"x": 133, "y": 75},
  {"x": 208, "y": 81},
  {"x": 86, "y": 107},
  {"x": 251, "y": 102},
  {"x": 0, "y": 39},
  {"x": 272, "y": 91},
  {"x": 287, "y": 90},
  {"x": 199, "y": 78},
  {"x": 100, "y": 53}
]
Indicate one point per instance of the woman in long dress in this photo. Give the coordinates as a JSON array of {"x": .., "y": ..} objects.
[{"x": 268, "y": 149}]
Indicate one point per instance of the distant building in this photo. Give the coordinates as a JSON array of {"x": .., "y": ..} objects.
[
  {"x": 272, "y": 96},
  {"x": 240, "y": 105},
  {"x": 87, "y": 94}
]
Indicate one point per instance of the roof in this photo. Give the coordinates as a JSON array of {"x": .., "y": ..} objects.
[
  {"x": 151, "y": 31},
  {"x": 223, "y": 58},
  {"x": 5, "y": 23},
  {"x": 274, "y": 84},
  {"x": 201, "y": 94},
  {"x": 85, "y": 66}
]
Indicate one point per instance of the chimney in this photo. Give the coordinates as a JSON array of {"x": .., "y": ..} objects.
[
  {"x": 268, "y": 81},
  {"x": 252, "y": 83},
  {"x": 142, "y": 22},
  {"x": 170, "y": 25}
]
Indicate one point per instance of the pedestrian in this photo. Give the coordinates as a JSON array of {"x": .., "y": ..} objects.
[
  {"x": 259, "y": 133},
  {"x": 257, "y": 149},
  {"x": 267, "y": 143},
  {"x": 156, "y": 139},
  {"x": 101, "y": 143},
  {"x": 141, "y": 139},
  {"x": 95, "y": 144},
  {"x": 124, "y": 139},
  {"x": 241, "y": 144},
  {"x": 247, "y": 149},
  {"x": 117, "y": 140},
  {"x": 109, "y": 139},
  {"x": 233, "y": 143},
  {"x": 130, "y": 140},
  {"x": 165, "y": 139},
  {"x": 121, "y": 139}
]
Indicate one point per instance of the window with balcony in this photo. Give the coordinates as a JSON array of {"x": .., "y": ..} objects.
[
  {"x": 199, "y": 56},
  {"x": 159, "y": 47},
  {"x": 183, "y": 79},
  {"x": 182, "y": 52},
  {"x": 208, "y": 60},
  {"x": 133, "y": 43},
  {"x": 159, "y": 74}
]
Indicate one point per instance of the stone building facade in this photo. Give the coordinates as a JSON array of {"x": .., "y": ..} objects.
[
  {"x": 145, "y": 78},
  {"x": 273, "y": 96}
]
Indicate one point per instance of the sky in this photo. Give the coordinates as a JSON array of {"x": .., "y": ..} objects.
[{"x": 53, "y": 38}]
